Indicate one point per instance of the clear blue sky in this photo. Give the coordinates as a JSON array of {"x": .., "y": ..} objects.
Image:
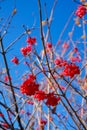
[{"x": 27, "y": 11}]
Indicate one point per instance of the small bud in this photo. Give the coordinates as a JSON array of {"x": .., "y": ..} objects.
[{"x": 14, "y": 11}]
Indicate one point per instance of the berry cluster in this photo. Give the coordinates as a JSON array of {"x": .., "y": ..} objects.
[
  {"x": 29, "y": 86},
  {"x": 31, "y": 41},
  {"x": 52, "y": 100},
  {"x": 81, "y": 11},
  {"x": 60, "y": 62},
  {"x": 15, "y": 60},
  {"x": 75, "y": 59},
  {"x": 26, "y": 50},
  {"x": 40, "y": 95},
  {"x": 70, "y": 70}
]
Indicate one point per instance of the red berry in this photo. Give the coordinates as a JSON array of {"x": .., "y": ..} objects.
[
  {"x": 49, "y": 45},
  {"x": 6, "y": 79},
  {"x": 52, "y": 100},
  {"x": 29, "y": 86},
  {"x": 1, "y": 115},
  {"x": 43, "y": 122},
  {"x": 65, "y": 45},
  {"x": 75, "y": 50},
  {"x": 5, "y": 125},
  {"x": 70, "y": 70},
  {"x": 31, "y": 41},
  {"x": 81, "y": 11},
  {"x": 15, "y": 60},
  {"x": 40, "y": 95},
  {"x": 26, "y": 50}
]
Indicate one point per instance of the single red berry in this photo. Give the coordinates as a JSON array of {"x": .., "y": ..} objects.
[
  {"x": 15, "y": 60},
  {"x": 49, "y": 45},
  {"x": 65, "y": 45},
  {"x": 1, "y": 115},
  {"x": 43, "y": 122},
  {"x": 62, "y": 87},
  {"x": 75, "y": 50},
  {"x": 22, "y": 111},
  {"x": 6, "y": 78}
]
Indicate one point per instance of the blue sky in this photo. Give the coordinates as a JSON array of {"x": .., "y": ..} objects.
[{"x": 27, "y": 12}]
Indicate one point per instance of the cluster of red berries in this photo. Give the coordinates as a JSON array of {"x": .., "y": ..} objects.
[
  {"x": 15, "y": 60},
  {"x": 52, "y": 100},
  {"x": 31, "y": 41},
  {"x": 81, "y": 11},
  {"x": 29, "y": 86},
  {"x": 60, "y": 62},
  {"x": 75, "y": 59},
  {"x": 70, "y": 70},
  {"x": 26, "y": 50},
  {"x": 40, "y": 95}
]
